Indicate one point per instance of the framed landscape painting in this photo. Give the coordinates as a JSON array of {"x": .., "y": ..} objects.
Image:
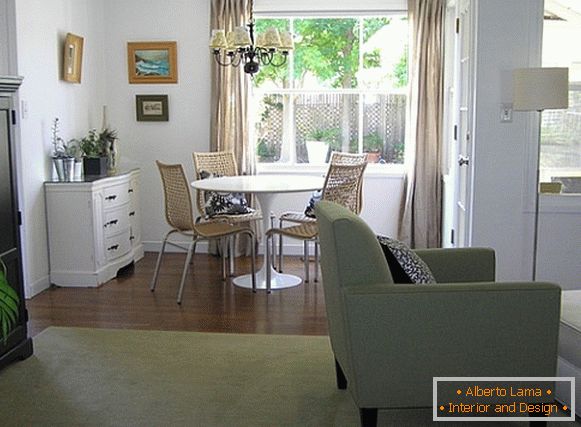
[
  {"x": 152, "y": 62},
  {"x": 152, "y": 108}
]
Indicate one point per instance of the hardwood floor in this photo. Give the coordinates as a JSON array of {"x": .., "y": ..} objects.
[{"x": 208, "y": 305}]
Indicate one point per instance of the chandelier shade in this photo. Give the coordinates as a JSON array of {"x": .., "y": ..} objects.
[{"x": 242, "y": 47}]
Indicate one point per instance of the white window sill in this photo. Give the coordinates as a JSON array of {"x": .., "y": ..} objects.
[{"x": 372, "y": 170}]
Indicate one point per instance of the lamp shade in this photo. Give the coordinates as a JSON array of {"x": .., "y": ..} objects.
[{"x": 537, "y": 89}]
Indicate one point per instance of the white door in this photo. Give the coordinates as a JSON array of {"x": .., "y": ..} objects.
[{"x": 459, "y": 125}]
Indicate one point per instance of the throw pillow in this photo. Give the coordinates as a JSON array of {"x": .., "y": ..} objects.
[
  {"x": 315, "y": 198},
  {"x": 223, "y": 203},
  {"x": 404, "y": 264}
]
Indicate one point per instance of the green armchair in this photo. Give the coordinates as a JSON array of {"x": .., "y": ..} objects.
[{"x": 390, "y": 340}]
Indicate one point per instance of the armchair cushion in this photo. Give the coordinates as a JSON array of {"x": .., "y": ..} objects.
[{"x": 404, "y": 264}]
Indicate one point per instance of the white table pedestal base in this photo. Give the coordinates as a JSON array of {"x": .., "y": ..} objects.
[{"x": 277, "y": 281}]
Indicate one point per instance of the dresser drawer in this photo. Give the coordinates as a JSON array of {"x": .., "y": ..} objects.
[
  {"x": 117, "y": 245},
  {"x": 115, "y": 220},
  {"x": 115, "y": 195}
]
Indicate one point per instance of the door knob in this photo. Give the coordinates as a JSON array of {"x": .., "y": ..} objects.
[{"x": 463, "y": 161}]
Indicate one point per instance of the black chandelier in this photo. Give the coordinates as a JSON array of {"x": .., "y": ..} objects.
[{"x": 241, "y": 47}]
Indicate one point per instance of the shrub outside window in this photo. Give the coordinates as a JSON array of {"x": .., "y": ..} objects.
[{"x": 343, "y": 88}]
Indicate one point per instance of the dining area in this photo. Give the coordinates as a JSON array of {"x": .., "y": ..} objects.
[{"x": 238, "y": 214}]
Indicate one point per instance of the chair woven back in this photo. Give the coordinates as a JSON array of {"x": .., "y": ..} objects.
[
  {"x": 178, "y": 201},
  {"x": 221, "y": 163},
  {"x": 343, "y": 185},
  {"x": 339, "y": 158}
]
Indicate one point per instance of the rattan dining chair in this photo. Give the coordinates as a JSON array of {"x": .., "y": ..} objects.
[
  {"x": 355, "y": 204},
  {"x": 179, "y": 215},
  {"x": 342, "y": 184},
  {"x": 219, "y": 163}
]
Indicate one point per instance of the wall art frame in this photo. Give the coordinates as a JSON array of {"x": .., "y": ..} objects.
[
  {"x": 152, "y": 108},
  {"x": 152, "y": 62},
  {"x": 73, "y": 58}
]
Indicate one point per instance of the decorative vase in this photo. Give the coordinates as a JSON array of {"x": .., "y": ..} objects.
[
  {"x": 112, "y": 159},
  {"x": 69, "y": 168},
  {"x": 78, "y": 170},
  {"x": 60, "y": 168},
  {"x": 95, "y": 166}
]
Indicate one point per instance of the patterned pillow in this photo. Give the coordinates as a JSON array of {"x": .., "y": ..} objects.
[
  {"x": 223, "y": 203},
  {"x": 315, "y": 198},
  {"x": 404, "y": 264}
]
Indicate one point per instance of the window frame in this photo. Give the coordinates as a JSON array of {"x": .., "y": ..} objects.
[{"x": 386, "y": 169}]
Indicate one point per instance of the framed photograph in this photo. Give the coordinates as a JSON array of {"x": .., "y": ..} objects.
[
  {"x": 73, "y": 58},
  {"x": 152, "y": 108},
  {"x": 152, "y": 62}
]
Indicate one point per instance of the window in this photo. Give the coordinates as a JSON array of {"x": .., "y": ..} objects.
[
  {"x": 343, "y": 88},
  {"x": 561, "y": 129}
]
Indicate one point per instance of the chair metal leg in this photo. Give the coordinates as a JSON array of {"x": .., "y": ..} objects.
[
  {"x": 280, "y": 248},
  {"x": 316, "y": 260},
  {"x": 194, "y": 251},
  {"x": 306, "y": 259},
  {"x": 253, "y": 260},
  {"x": 268, "y": 261},
  {"x": 223, "y": 243},
  {"x": 186, "y": 267},
  {"x": 232, "y": 253},
  {"x": 158, "y": 263}
]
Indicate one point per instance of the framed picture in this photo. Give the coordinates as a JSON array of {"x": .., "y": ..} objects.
[
  {"x": 152, "y": 108},
  {"x": 152, "y": 62},
  {"x": 73, "y": 58}
]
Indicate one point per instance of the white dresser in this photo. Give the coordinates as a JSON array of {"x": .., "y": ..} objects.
[{"x": 93, "y": 228}]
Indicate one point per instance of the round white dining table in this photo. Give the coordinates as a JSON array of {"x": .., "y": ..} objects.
[{"x": 265, "y": 187}]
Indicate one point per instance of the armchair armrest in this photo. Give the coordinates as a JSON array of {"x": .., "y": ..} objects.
[
  {"x": 400, "y": 336},
  {"x": 460, "y": 265}
]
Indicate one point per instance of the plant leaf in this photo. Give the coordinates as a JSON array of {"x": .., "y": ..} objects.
[
  {"x": 9, "y": 310},
  {"x": 9, "y": 302}
]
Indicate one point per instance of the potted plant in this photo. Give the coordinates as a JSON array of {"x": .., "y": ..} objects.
[
  {"x": 96, "y": 148},
  {"x": 373, "y": 146},
  {"x": 9, "y": 303},
  {"x": 58, "y": 150},
  {"x": 318, "y": 142}
]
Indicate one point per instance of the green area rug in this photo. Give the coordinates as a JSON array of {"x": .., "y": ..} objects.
[{"x": 99, "y": 377}]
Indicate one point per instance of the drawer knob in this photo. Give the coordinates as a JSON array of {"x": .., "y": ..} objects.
[
  {"x": 112, "y": 197},
  {"x": 132, "y": 213},
  {"x": 130, "y": 190},
  {"x": 113, "y": 248},
  {"x": 112, "y": 222}
]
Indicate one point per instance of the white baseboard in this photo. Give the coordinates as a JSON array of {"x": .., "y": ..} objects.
[
  {"x": 32, "y": 289},
  {"x": 290, "y": 248}
]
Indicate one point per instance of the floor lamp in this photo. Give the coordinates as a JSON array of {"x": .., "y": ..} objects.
[{"x": 539, "y": 89}]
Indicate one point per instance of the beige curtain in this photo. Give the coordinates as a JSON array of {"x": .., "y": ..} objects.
[
  {"x": 420, "y": 221},
  {"x": 229, "y": 128},
  {"x": 230, "y": 90}
]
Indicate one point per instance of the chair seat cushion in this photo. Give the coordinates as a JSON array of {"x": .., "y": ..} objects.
[
  {"x": 217, "y": 204},
  {"x": 404, "y": 264}
]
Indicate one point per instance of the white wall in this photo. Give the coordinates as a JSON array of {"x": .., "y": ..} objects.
[
  {"x": 188, "y": 128},
  {"x": 41, "y": 27},
  {"x": 504, "y": 39},
  {"x": 508, "y": 37},
  {"x": 559, "y": 253}
]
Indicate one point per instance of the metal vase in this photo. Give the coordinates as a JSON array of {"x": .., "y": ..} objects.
[
  {"x": 60, "y": 168},
  {"x": 69, "y": 167}
]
